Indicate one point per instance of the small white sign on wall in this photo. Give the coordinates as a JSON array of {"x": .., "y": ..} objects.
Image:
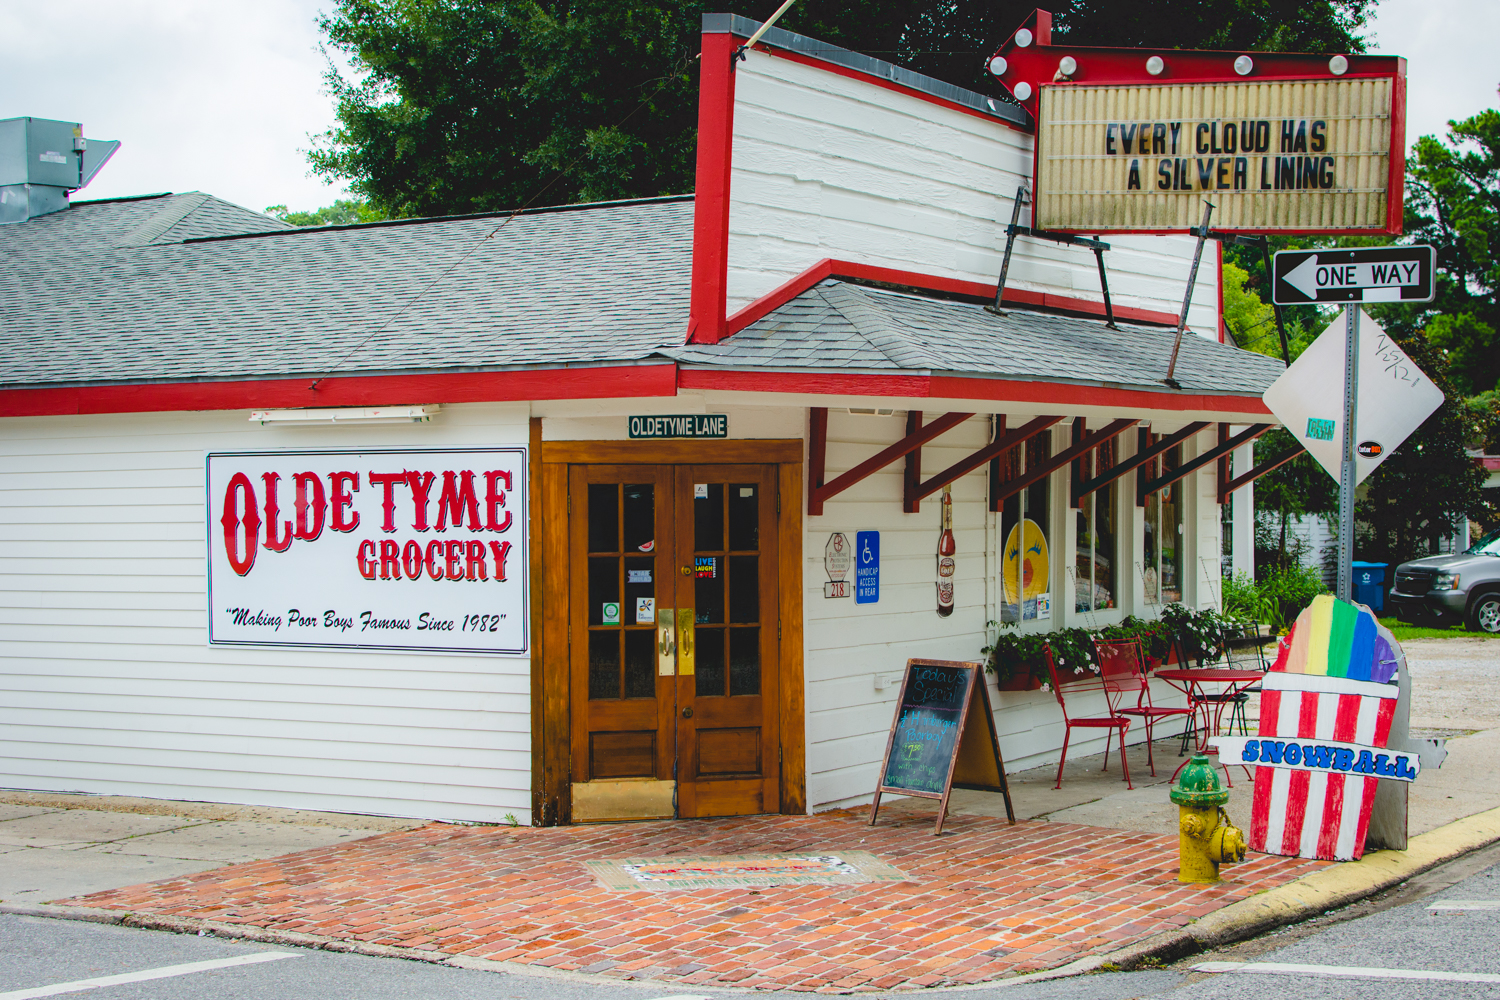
[{"x": 416, "y": 550}]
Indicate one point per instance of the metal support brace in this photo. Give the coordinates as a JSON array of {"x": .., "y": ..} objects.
[
  {"x": 1265, "y": 251},
  {"x": 1187, "y": 297},
  {"x": 1016, "y": 229}
]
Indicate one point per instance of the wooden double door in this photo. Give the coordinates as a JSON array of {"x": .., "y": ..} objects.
[{"x": 673, "y": 621}]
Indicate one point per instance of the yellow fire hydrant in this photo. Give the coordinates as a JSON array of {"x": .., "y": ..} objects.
[{"x": 1206, "y": 837}]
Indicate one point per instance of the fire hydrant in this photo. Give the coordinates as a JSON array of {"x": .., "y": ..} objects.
[{"x": 1206, "y": 837}]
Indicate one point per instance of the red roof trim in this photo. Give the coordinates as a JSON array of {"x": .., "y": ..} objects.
[
  {"x": 961, "y": 387},
  {"x": 358, "y": 390},
  {"x": 830, "y": 268}
]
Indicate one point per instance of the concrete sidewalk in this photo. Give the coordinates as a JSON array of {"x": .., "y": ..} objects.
[{"x": 55, "y": 845}]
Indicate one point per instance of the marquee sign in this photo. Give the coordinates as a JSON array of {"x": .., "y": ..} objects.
[
  {"x": 1136, "y": 140},
  {"x": 399, "y": 550}
]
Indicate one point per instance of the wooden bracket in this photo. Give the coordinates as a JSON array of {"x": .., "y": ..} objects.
[
  {"x": 1143, "y": 455},
  {"x": 1223, "y": 448},
  {"x": 917, "y": 435},
  {"x": 997, "y": 447},
  {"x": 1260, "y": 470},
  {"x": 1088, "y": 442}
]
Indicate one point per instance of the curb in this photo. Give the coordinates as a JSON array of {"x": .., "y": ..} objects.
[{"x": 1309, "y": 896}]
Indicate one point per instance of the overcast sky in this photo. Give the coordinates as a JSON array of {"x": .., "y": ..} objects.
[{"x": 222, "y": 95}]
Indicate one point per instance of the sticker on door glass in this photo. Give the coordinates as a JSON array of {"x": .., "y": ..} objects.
[
  {"x": 747, "y": 491},
  {"x": 637, "y": 576},
  {"x": 645, "y": 610},
  {"x": 611, "y": 615},
  {"x": 700, "y": 491},
  {"x": 706, "y": 567},
  {"x": 647, "y": 546}
]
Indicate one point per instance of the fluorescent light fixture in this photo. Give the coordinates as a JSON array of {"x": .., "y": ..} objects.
[{"x": 348, "y": 415}]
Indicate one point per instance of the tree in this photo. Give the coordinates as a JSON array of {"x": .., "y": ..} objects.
[
  {"x": 343, "y": 212},
  {"x": 1454, "y": 205},
  {"x": 459, "y": 106}
]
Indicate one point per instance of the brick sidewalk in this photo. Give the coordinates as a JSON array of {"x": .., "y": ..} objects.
[{"x": 986, "y": 900}]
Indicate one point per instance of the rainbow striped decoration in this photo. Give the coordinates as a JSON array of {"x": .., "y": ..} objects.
[{"x": 1334, "y": 680}]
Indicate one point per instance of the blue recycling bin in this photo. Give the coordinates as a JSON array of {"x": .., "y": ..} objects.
[{"x": 1369, "y": 584}]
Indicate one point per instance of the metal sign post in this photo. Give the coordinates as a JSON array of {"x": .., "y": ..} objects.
[
  {"x": 1345, "y": 589},
  {"x": 1397, "y": 403}
]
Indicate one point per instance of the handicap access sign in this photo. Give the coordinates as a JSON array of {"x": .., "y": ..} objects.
[{"x": 866, "y": 567}]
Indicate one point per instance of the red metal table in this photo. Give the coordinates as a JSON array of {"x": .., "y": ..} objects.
[{"x": 1190, "y": 682}]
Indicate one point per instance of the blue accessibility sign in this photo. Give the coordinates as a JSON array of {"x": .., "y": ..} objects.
[{"x": 866, "y": 567}]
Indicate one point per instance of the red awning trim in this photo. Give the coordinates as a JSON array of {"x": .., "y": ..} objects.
[
  {"x": 925, "y": 386},
  {"x": 353, "y": 390},
  {"x": 833, "y": 268}
]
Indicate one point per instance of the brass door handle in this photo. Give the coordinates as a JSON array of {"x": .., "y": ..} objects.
[
  {"x": 687, "y": 713},
  {"x": 687, "y": 571}
]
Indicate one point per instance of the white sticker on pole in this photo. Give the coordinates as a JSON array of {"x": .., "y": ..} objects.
[{"x": 1395, "y": 396}]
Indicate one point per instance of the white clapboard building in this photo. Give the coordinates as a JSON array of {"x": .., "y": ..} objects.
[{"x": 545, "y": 515}]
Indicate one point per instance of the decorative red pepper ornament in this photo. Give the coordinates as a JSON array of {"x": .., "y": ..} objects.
[{"x": 945, "y": 564}]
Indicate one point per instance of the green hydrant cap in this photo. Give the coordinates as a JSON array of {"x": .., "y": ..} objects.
[{"x": 1199, "y": 785}]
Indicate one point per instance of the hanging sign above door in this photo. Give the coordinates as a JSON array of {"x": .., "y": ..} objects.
[{"x": 686, "y": 425}]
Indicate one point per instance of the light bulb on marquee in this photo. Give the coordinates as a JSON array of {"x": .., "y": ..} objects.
[
  {"x": 1155, "y": 65},
  {"x": 1067, "y": 66},
  {"x": 1022, "y": 91},
  {"x": 998, "y": 66},
  {"x": 1023, "y": 38},
  {"x": 1338, "y": 65},
  {"x": 1243, "y": 65}
]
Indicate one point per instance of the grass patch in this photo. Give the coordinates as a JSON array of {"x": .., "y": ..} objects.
[{"x": 1402, "y": 632}]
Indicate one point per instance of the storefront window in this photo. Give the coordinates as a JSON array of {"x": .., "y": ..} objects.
[
  {"x": 1162, "y": 576},
  {"x": 1025, "y": 561},
  {"x": 1094, "y": 566}
]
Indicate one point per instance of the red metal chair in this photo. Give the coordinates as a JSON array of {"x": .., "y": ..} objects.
[
  {"x": 1086, "y": 684},
  {"x": 1123, "y": 661}
]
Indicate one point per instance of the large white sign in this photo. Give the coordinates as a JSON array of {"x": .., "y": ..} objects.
[
  {"x": 410, "y": 550},
  {"x": 1394, "y": 397}
]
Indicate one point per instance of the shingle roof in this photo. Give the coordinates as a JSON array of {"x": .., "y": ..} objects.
[
  {"x": 121, "y": 222},
  {"x": 596, "y": 283},
  {"x": 838, "y": 324}
]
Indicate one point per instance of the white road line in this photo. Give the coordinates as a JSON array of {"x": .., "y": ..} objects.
[
  {"x": 165, "y": 972},
  {"x": 1465, "y": 904},
  {"x": 1363, "y": 972}
]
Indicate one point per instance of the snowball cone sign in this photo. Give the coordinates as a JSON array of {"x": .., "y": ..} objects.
[
  {"x": 401, "y": 550},
  {"x": 1395, "y": 396}
]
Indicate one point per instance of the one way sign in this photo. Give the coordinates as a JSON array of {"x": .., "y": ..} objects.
[{"x": 1376, "y": 274}]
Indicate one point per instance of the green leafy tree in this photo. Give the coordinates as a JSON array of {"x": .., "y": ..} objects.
[
  {"x": 1453, "y": 204},
  {"x": 343, "y": 212},
  {"x": 457, "y": 106}
]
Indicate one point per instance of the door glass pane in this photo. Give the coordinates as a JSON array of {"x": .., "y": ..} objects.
[
  {"x": 710, "y": 662},
  {"x": 640, "y": 518},
  {"x": 708, "y": 518},
  {"x": 744, "y": 588},
  {"x": 604, "y": 517},
  {"x": 744, "y": 661},
  {"x": 708, "y": 589},
  {"x": 640, "y": 582},
  {"x": 604, "y": 588},
  {"x": 744, "y": 516},
  {"x": 604, "y": 664},
  {"x": 1104, "y": 548},
  {"x": 640, "y": 663}
]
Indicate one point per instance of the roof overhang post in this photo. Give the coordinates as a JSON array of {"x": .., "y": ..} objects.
[
  {"x": 817, "y": 457},
  {"x": 709, "y": 297}
]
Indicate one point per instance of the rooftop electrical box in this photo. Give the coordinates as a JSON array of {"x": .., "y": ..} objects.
[{"x": 41, "y": 161}]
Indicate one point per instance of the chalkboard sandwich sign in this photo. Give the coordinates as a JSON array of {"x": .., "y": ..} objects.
[{"x": 943, "y": 737}]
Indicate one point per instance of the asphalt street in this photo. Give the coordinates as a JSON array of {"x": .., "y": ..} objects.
[{"x": 1447, "y": 921}]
